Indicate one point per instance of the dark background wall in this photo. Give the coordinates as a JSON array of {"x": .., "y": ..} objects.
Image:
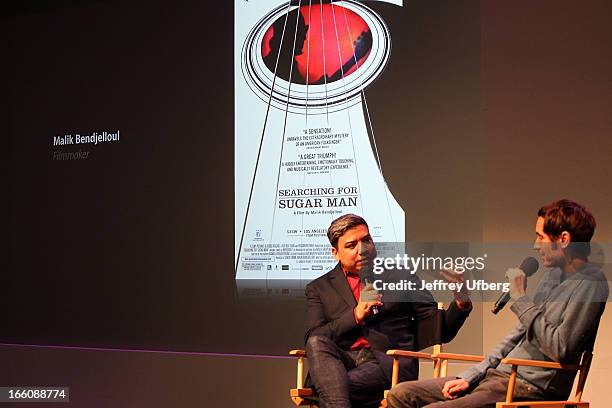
[
  {"x": 502, "y": 106},
  {"x": 133, "y": 246}
]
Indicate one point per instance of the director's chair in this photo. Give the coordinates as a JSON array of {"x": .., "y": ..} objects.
[{"x": 429, "y": 333}]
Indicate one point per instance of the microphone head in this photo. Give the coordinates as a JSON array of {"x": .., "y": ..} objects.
[{"x": 529, "y": 265}]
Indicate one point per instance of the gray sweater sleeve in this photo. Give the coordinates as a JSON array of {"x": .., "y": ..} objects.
[
  {"x": 562, "y": 342},
  {"x": 492, "y": 360}
]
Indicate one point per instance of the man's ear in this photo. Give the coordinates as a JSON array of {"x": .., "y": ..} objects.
[
  {"x": 335, "y": 253},
  {"x": 564, "y": 239}
]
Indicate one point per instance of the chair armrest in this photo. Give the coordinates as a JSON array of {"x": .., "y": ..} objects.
[
  {"x": 538, "y": 363},
  {"x": 297, "y": 353},
  {"x": 406, "y": 353},
  {"x": 396, "y": 354},
  {"x": 459, "y": 357}
]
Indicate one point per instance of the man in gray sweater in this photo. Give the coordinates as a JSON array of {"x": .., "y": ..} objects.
[{"x": 558, "y": 324}]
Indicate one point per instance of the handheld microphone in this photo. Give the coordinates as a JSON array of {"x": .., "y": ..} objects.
[
  {"x": 368, "y": 279},
  {"x": 530, "y": 266}
]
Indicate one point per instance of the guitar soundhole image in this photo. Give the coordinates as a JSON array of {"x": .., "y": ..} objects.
[{"x": 331, "y": 42}]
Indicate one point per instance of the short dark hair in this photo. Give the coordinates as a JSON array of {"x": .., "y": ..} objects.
[
  {"x": 568, "y": 215},
  {"x": 340, "y": 225}
]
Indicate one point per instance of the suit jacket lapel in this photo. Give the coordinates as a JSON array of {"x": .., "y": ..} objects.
[{"x": 339, "y": 283}]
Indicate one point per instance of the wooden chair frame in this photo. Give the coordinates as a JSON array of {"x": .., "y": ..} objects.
[
  {"x": 444, "y": 358},
  {"x": 576, "y": 402},
  {"x": 397, "y": 354},
  {"x": 301, "y": 396},
  {"x": 439, "y": 359}
]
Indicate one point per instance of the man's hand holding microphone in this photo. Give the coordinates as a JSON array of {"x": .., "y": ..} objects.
[{"x": 369, "y": 301}]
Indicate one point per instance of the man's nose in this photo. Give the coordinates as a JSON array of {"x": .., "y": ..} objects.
[{"x": 537, "y": 245}]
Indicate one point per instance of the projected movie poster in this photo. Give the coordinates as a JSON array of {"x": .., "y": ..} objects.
[{"x": 305, "y": 144}]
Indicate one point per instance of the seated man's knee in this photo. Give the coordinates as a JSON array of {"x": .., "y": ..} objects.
[
  {"x": 401, "y": 394},
  {"x": 315, "y": 344},
  {"x": 393, "y": 400}
]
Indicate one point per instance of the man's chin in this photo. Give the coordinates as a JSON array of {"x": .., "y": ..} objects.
[
  {"x": 363, "y": 265},
  {"x": 546, "y": 263}
]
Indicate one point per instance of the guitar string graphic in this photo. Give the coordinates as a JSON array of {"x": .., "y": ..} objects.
[
  {"x": 348, "y": 112},
  {"x": 308, "y": 61},
  {"x": 365, "y": 103},
  {"x": 306, "y": 124},
  {"x": 280, "y": 159},
  {"x": 263, "y": 132},
  {"x": 324, "y": 67}
]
